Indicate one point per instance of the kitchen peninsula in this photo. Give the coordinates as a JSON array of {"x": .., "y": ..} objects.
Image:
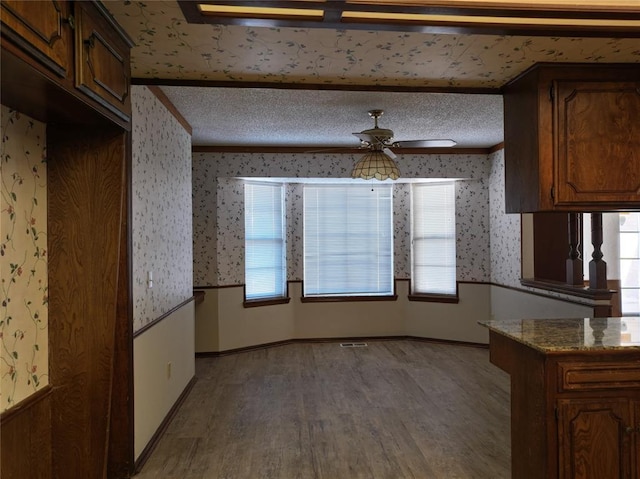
[{"x": 575, "y": 395}]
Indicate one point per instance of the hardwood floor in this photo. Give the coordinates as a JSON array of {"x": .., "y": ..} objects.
[{"x": 392, "y": 410}]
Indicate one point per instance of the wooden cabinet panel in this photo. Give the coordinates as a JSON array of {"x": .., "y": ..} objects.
[
  {"x": 572, "y": 138},
  {"x": 598, "y": 142},
  {"x": 635, "y": 442},
  {"x": 102, "y": 61},
  {"x": 40, "y": 28},
  {"x": 576, "y": 376},
  {"x": 594, "y": 438}
]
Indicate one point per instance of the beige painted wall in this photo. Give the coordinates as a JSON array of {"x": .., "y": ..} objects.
[
  {"x": 223, "y": 324},
  {"x": 206, "y": 322},
  {"x": 455, "y": 322},
  {"x": 239, "y": 327},
  {"x": 507, "y": 303},
  {"x": 171, "y": 341}
]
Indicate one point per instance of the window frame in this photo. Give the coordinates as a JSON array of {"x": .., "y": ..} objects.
[
  {"x": 275, "y": 299},
  {"x": 433, "y": 296},
  {"x": 341, "y": 297}
]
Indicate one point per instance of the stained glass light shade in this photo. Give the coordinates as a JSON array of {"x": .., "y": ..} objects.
[{"x": 375, "y": 164}]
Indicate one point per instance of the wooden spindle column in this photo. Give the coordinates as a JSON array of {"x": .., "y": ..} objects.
[
  {"x": 575, "y": 276},
  {"x": 597, "y": 266}
]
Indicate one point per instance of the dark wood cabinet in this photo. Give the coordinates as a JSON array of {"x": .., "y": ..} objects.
[
  {"x": 78, "y": 45},
  {"x": 572, "y": 138},
  {"x": 595, "y": 438},
  {"x": 83, "y": 425},
  {"x": 102, "y": 60},
  {"x": 575, "y": 414},
  {"x": 42, "y": 28}
]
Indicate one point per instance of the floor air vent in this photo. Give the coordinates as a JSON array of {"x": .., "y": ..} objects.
[{"x": 353, "y": 345}]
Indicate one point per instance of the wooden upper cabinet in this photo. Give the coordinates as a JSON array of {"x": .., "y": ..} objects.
[
  {"x": 598, "y": 142},
  {"x": 76, "y": 46},
  {"x": 102, "y": 59},
  {"x": 42, "y": 29},
  {"x": 572, "y": 138}
]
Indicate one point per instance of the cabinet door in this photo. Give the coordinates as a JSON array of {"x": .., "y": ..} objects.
[
  {"x": 594, "y": 438},
  {"x": 635, "y": 443},
  {"x": 40, "y": 28},
  {"x": 597, "y": 142},
  {"x": 102, "y": 60}
]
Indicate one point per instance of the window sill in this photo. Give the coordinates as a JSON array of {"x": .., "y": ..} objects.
[
  {"x": 435, "y": 298},
  {"x": 254, "y": 303},
  {"x": 343, "y": 299}
]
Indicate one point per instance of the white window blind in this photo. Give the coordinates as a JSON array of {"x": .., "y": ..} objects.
[
  {"x": 630, "y": 263},
  {"x": 348, "y": 240},
  {"x": 265, "y": 265},
  {"x": 433, "y": 238}
]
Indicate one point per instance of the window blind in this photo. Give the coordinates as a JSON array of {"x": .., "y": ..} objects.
[
  {"x": 265, "y": 264},
  {"x": 433, "y": 238},
  {"x": 348, "y": 240}
]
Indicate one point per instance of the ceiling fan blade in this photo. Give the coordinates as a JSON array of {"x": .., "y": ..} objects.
[
  {"x": 443, "y": 143},
  {"x": 389, "y": 153}
]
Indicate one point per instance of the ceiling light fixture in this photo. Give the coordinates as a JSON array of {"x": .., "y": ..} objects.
[
  {"x": 257, "y": 12},
  {"x": 376, "y": 164},
  {"x": 599, "y": 18}
]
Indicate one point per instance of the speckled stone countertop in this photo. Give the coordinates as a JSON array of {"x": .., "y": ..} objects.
[{"x": 574, "y": 334}]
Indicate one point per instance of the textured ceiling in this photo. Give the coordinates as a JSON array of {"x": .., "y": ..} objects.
[
  {"x": 275, "y": 117},
  {"x": 169, "y": 49}
]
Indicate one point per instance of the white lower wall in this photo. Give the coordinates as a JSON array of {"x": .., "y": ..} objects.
[
  {"x": 171, "y": 341},
  {"x": 206, "y": 322},
  {"x": 508, "y": 303},
  {"x": 346, "y": 319},
  {"x": 222, "y": 323},
  {"x": 453, "y": 322},
  {"x": 239, "y": 327}
]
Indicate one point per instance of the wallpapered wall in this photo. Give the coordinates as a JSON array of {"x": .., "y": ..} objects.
[
  {"x": 505, "y": 229},
  {"x": 219, "y": 243},
  {"x": 24, "y": 362},
  {"x": 161, "y": 208}
]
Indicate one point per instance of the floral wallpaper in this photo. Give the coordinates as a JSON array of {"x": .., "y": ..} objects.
[
  {"x": 168, "y": 47},
  {"x": 161, "y": 209},
  {"x": 218, "y": 193},
  {"x": 24, "y": 364},
  {"x": 505, "y": 229}
]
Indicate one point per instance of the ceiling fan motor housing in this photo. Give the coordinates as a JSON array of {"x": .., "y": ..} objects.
[{"x": 381, "y": 135}]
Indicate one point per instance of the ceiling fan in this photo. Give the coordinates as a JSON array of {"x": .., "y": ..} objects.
[{"x": 381, "y": 139}]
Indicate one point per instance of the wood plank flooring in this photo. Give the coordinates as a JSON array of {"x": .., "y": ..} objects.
[{"x": 391, "y": 410}]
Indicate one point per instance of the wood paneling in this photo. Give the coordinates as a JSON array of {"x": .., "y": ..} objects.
[
  {"x": 120, "y": 460},
  {"x": 86, "y": 428},
  {"x": 25, "y": 436},
  {"x": 550, "y": 246},
  {"x": 86, "y": 192}
]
